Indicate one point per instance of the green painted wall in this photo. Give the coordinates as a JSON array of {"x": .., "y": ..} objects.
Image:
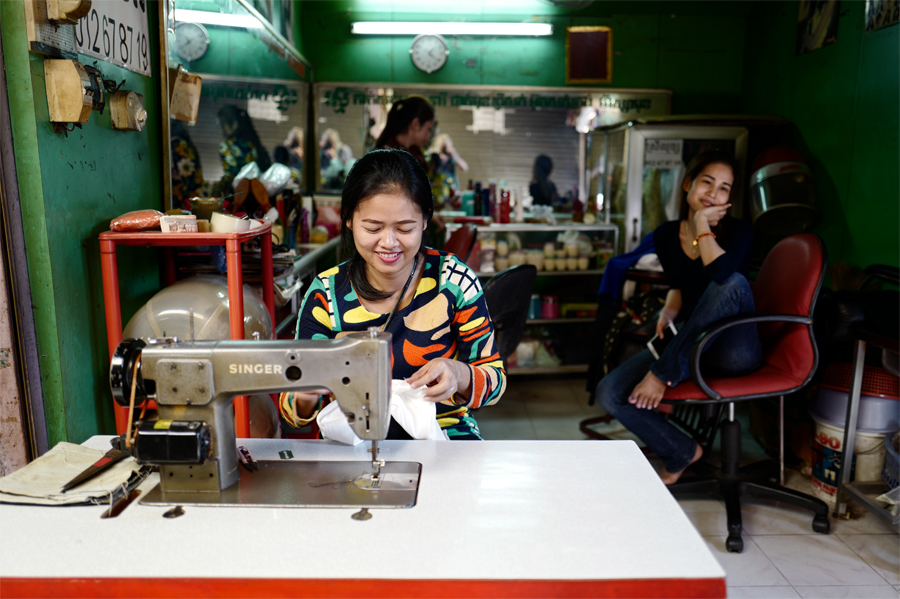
[
  {"x": 844, "y": 100},
  {"x": 70, "y": 188},
  {"x": 669, "y": 45},
  {"x": 239, "y": 52}
]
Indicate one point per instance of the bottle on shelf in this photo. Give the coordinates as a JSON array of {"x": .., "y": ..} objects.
[{"x": 476, "y": 206}]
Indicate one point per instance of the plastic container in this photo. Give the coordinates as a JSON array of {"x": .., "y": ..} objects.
[
  {"x": 550, "y": 306},
  {"x": 879, "y": 408},
  {"x": 534, "y": 307},
  {"x": 868, "y": 458}
]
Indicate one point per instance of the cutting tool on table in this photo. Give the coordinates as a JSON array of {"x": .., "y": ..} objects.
[{"x": 109, "y": 458}]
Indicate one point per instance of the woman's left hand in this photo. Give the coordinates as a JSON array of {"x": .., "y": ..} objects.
[{"x": 442, "y": 379}]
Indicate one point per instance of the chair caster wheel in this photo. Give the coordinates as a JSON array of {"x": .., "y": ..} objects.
[
  {"x": 821, "y": 524},
  {"x": 734, "y": 544}
]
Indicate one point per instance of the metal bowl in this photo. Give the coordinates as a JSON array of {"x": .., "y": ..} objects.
[{"x": 203, "y": 208}]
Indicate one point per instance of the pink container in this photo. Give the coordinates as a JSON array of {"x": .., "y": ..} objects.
[{"x": 550, "y": 306}]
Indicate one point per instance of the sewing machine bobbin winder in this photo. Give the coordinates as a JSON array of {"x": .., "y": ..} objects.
[{"x": 193, "y": 441}]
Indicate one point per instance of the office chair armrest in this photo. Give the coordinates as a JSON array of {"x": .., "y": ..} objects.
[{"x": 706, "y": 337}]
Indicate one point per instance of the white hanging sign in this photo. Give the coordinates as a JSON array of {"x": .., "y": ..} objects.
[
  {"x": 662, "y": 153},
  {"x": 117, "y": 31}
]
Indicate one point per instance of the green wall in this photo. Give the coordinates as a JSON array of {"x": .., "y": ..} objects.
[
  {"x": 655, "y": 45},
  {"x": 238, "y": 52},
  {"x": 70, "y": 187},
  {"x": 844, "y": 100}
]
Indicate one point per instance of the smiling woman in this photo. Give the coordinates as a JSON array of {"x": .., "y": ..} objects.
[
  {"x": 430, "y": 301},
  {"x": 706, "y": 258}
]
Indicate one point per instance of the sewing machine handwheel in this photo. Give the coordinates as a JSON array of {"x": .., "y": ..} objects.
[{"x": 121, "y": 368}]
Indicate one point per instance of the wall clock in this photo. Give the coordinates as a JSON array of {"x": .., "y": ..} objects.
[
  {"x": 191, "y": 41},
  {"x": 429, "y": 52}
]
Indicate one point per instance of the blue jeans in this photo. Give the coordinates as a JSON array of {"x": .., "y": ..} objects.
[{"x": 735, "y": 351}]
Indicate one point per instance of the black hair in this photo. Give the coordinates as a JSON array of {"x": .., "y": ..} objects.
[
  {"x": 543, "y": 166},
  {"x": 402, "y": 113},
  {"x": 246, "y": 132},
  {"x": 380, "y": 172},
  {"x": 281, "y": 155},
  {"x": 696, "y": 166}
]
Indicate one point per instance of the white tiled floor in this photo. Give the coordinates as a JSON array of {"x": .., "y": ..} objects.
[{"x": 782, "y": 556}]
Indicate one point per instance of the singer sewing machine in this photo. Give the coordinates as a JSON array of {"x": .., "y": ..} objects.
[{"x": 193, "y": 441}]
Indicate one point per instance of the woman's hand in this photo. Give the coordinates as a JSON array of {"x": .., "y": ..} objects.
[
  {"x": 666, "y": 317},
  {"x": 442, "y": 379},
  {"x": 709, "y": 217}
]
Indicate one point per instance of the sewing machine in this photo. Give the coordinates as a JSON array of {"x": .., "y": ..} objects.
[{"x": 193, "y": 441}]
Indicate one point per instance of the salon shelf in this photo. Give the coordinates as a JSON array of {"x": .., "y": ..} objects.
[{"x": 109, "y": 241}]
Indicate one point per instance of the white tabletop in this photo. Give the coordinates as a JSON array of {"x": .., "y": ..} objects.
[{"x": 492, "y": 510}]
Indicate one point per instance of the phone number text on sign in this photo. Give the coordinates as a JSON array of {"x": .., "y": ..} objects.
[{"x": 116, "y": 31}]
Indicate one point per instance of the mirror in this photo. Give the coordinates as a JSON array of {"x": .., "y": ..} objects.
[
  {"x": 497, "y": 131},
  {"x": 253, "y": 103}
]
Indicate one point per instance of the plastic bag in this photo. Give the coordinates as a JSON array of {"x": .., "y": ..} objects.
[
  {"x": 248, "y": 171},
  {"x": 138, "y": 220},
  {"x": 275, "y": 179}
]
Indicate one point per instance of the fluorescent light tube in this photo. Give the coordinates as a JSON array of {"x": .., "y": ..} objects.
[
  {"x": 216, "y": 18},
  {"x": 457, "y": 28}
]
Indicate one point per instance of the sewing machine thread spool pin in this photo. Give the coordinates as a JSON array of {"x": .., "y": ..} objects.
[{"x": 192, "y": 324}]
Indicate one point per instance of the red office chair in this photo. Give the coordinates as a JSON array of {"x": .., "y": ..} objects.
[
  {"x": 462, "y": 241},
  {"x": 785, "y": 294}
]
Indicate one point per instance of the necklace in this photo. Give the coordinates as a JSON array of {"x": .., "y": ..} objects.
[
  {"x": 687, "y": 229},
  {"x": 402, "y": 293}
]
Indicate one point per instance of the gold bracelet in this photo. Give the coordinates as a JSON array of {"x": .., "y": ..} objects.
[{"x": 697, "y": 238}]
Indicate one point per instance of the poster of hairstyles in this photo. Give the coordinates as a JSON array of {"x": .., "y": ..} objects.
[
  {"x": 817, "y": 24},
  {"x": 881, "y": 14}
]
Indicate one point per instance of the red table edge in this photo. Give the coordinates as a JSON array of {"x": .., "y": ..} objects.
[
  {"x": 698, "y": 588},
  {"x": 232, "y": 242}
]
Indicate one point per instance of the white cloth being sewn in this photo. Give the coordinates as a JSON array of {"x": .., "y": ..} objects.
[{"x": 408, "y": 407}]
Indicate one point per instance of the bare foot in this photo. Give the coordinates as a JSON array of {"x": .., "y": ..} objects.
[
  {"x": 670, "y": 478},
  {"x": 648, "y": 393}
]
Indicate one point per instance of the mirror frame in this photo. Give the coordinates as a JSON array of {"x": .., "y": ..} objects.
[{"x": 167, "y": 6}]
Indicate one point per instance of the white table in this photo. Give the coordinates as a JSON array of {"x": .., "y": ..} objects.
[{"x": 493, "y": 519}]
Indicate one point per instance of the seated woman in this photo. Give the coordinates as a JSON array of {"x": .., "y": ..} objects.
[
  {"x": 706, "y": 256},
  {"x": 430, "y": 301}
]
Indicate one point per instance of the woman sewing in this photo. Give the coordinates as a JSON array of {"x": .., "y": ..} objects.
[
  {"x": 430, "y": 301},
  {"x": 705, "y": 255}
]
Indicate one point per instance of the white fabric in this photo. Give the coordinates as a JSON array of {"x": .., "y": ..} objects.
[
  {"x": 42, "y": 480},
  {"x": 408, "y": 407}
]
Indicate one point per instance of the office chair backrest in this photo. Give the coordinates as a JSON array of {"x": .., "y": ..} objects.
[
  {"x": 507, "y": 295},
  {"x": 788, "y": 283},
  {"x": 462, "y": 241}
]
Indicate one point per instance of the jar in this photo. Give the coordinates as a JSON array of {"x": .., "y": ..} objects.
[
  {"x": 571, "y": 249},
  {"x": 516, "y": 258},
  {"x": 549, "y": 249},
  {"x": 549, "y": 264},
  {"x": 572, "y": 263},
  {"x": 502, "y": 247},
  {"x": 550, "y": 306},
  {"x": 536, "y": 258},
  {"x": 501, "y": 263},
  {"x": 584, "y": 261},
  {"x": 560, "y": 263}
]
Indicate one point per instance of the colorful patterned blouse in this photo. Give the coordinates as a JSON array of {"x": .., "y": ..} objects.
[
  {"x": 187, "y": 176},
  {"x": 235, "y": 153},
  {"x": 447, "y": 318}
]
